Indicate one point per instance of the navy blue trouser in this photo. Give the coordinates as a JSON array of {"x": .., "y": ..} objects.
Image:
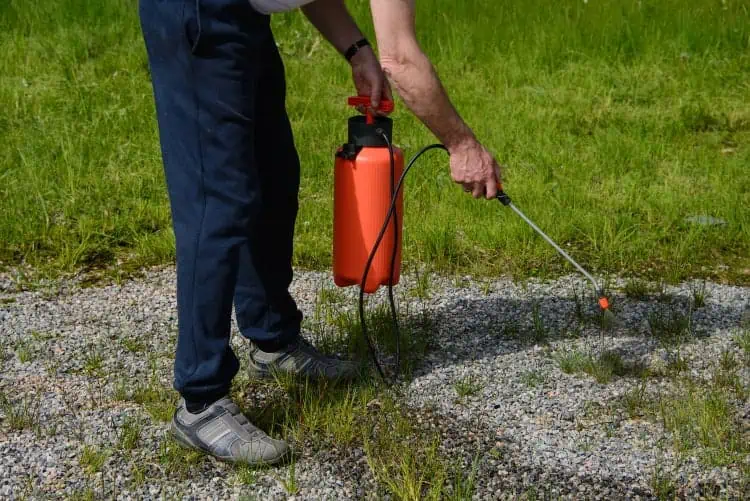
[{"x": 232, "y": 174}]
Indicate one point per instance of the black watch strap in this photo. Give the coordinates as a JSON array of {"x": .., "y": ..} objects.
[{"x": 354, "y": 48}]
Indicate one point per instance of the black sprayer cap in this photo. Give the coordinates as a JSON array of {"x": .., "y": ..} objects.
[{"x": 363, "y": 134}]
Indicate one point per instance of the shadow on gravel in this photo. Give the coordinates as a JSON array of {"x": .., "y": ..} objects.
[{"x": 474, "y": 329}]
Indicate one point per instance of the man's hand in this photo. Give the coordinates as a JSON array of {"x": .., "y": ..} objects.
[
  {"x": 475, "y": 168},
  {"x": 369, "y": 79}
]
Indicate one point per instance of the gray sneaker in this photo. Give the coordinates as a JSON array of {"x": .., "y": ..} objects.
[
  {"x": 222, "y": 431},
  {"x": 302, "y": 359}
]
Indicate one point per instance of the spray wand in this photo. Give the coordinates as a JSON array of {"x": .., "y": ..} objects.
[{"x": 504, "y": 199}]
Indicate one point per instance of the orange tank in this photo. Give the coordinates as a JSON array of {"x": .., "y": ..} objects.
[{"x": 362, "y": 196}]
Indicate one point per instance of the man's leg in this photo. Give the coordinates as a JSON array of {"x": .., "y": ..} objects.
[
  {"x": 266, "y": 313},
  {"x": 204, "y": 58}
]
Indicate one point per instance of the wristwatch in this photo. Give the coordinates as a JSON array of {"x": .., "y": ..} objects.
[{"x": 354, "y": 48}]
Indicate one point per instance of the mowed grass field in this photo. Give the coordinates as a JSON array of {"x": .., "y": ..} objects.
[{"x": 615, "y": 120}]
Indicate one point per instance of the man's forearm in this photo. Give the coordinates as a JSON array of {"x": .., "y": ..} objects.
[
  {"x": 417, "y": 83},
  {"x": 331, "y": 18}
]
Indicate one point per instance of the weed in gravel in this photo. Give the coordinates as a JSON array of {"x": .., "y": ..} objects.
[
  {"x": 670, "y": 327},
  {"x": 93, "y": 458},
  {"x": 603, "y": 368},
  {"x": 637, "y": 289},
  {"x": 93, "y": 364},
  {"x": 133, "y": 345},
  {"x": 245, "y": 475},
  {"x": 635, "y": 402},
  {"x": 699, "y": 294},
  {"x": 24, "y": 352},
  {"x": 158, "y": 401},
  {"x": 467, "y": 387},
  {"x": 407, "y": 470},
  {"x": 463, "y": 482},
  {"x": 662, "y": 293},
  {"x": 330, "y": 296},
  {"x": 662, "y": 485},
  {"x": 742, "y": 339},
  {"x": 422, "y": 286},
  {"x": 325, "y": 412},
  {"x": 289, "y": 481},
  {"x": 21, "y": 415},
  {"x": 727, "y": 361},
  {"x": 676, "y": 363},
  {"x": 339, "y": 332},
  {"x": 83, "y": 494},
  {"x": 532, "y": 379},
  {"x": 129, "y": 434},
  {"x": 539, "y": 334},
  {"x": 701, "y": 421},
  {"x": 121, "y": 391},
  {"x": 177, "y": 460},
  {"x": 137, "y": 475},
  {"x": 726, "y": 375}
]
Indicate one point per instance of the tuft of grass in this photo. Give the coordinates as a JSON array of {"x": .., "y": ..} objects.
[
  {"x": 671, "y": 326},
  {"x": 663, "y": 485},
  {"x": 699, "y": 294},
  {"x": 158, "y": 400},
  {"x": 93, "y": 364},
  {"x": 603, "y": 368},
  {"x": 635, "y": 402},
  {"x": 245, "y": 475},
  {"x": 423, "y": 285},
  {"x": 638, "y": 289},
  {"x": 289, "y": 481},
  {"x": 83, "y": 494},
  {"x": 133, "y": 345},
  {"x": 742, "y": 338},
  {"x": 403, "y": 455},
  {"x": 129, "y": 434},
  {"x": 21, "y": 415},
  {"x": 137, "y": 474},
  {"x": 177, "y": 460},
  {"x": 407, "y": 461},
  {"x": 677, "y": 364},
  {"x": 339, "y": 331},
  {"x": 93, "y": 458},
  {"x": 701, "y": 421},
  {"x": 467, "y": 387},
  {"x": 539, "y": 334},
  {"x": 24, "y": 352},
  {"x": 534, "y": 378}
]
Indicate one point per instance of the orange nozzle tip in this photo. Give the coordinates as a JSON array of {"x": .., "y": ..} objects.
[{"x": 604, "y": 303}]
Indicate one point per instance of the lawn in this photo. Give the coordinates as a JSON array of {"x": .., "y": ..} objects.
[{"x": 616, "y": 120}]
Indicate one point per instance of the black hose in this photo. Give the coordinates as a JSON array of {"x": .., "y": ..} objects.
[{"x": 392, "y": 214}]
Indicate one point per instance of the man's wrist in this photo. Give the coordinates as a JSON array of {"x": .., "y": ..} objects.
[{"x": 355, "y": 48}]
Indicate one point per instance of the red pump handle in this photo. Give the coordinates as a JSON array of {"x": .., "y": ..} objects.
[{"x": 386, "y": 106}]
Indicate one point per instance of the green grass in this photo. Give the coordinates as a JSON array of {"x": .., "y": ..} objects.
[
  {"x": 467, "y": 387},
  {"x": 20, "y": 414},
  {"x": 603, "y": 367},
  {"x": 129, "y": 434},
  {"x": 671, "y": 327},
  {"x": 93, "y": 458},
  {"x": 616, "y": 120},
  {"x": 701, "y": 419}
]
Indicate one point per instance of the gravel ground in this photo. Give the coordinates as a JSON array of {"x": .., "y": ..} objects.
[{"x": 64, "y": 353}]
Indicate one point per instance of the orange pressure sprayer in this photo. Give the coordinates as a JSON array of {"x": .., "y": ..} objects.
[
  {"x": 366, "y": 171},
  {"x": 368, "y": 209}
]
